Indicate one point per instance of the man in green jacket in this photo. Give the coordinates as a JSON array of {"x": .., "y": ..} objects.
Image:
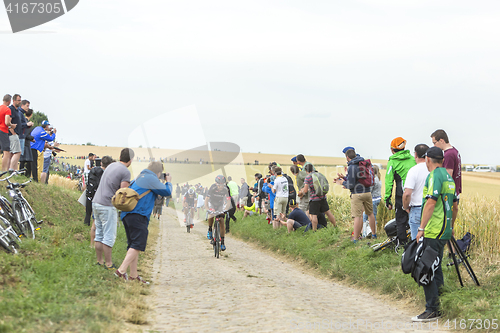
[{"x": 399, "y": 163}]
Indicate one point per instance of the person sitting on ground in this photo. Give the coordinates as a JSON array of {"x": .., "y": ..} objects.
[
  {"x": 136, "y": 222},
  {"x": 297, "y": 218},
  {"x": 249, "y": 210}
]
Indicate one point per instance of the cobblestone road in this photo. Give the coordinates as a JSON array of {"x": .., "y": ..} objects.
[{"x": 247, "y": 290}]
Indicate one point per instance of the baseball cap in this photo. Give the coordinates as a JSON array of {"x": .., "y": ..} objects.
[
  {"x": 347, "y": 148},
  {"x": 398, "y": 143},
  {"x": 45, "y": 123},
  {"x": 294, "y": 159},
  {"x": 434, "y": 152}
]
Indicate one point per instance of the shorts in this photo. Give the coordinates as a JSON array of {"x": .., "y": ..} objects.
[
  {"x": 297, "y": 225},
  {"x": 157, "y": 209},
  {"x": 22, "y": 142},
  {"x": 136, "y": 229},
  {"x": 105, "y": 224},
  {"x": 361, "y": 202},
  {"x": 4, "y": 141},
  {"x": 304, "y": 203},
  {"x": 280, "y": 205},
  {"x": 250, "y": 213},
  {"x": 46, "y": 164},
  {"x": 321, "y": 206},
  {"x": 15, "y": 145}
]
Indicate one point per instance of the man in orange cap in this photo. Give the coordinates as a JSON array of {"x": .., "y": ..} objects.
[{"x": 399, "y": 163}]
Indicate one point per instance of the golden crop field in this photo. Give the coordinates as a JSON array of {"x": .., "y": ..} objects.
[{"x": 474, "y": 183}]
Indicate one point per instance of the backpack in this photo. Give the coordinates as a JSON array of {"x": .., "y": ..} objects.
[
  {"x": 125, "y": 199},
  {"x": 291, "y": 189},
  {"x": 320, "y": 183},
  {"x": 408, "y": 258},
  {"x": 366, "y": 176},
  {"x": 421, "y": 261}
]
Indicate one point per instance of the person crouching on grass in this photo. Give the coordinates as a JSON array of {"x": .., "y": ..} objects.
[{"x": 136, "y": 221}]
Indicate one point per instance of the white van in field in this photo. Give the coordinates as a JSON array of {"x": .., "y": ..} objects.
[
  {"x": 469, "y": 168},
  {"x": 485, "y": 168}
]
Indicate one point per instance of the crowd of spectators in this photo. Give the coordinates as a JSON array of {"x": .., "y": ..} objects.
[{"x": 22, "y": 144}]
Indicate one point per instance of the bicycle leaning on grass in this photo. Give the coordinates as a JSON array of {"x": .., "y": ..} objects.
[
  {"x": 8, "y": 237},
  {"x": 19, "y": 211},
  {"x": 392, "y": 240}
]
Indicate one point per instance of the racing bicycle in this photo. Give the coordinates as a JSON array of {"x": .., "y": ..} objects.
[{"x": 216, "y": 240}]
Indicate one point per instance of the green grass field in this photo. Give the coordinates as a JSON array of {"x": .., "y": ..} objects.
[{"x": 53, "y": 284}]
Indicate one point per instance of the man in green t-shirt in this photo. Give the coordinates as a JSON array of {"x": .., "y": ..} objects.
[{"x": 439, "y": 211}]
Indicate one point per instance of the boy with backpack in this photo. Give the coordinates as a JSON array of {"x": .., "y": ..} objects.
[
  {"x": 359, "y": 179},
  {"x": 316, "y": 184}
]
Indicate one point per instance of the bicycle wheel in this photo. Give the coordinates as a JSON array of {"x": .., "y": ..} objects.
[
  {"x": 8, "y": 237},
  {"x": 27, "y": 227},
  {"x": 216, "y": 239}
]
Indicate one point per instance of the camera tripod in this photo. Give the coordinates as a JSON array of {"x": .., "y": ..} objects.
[{"x": 462, "y": 259}]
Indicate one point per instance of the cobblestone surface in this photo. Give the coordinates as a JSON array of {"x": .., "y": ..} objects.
[{"x": 247, "y": 290}]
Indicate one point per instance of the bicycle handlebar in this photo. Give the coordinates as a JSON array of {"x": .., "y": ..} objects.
[{"x": 15, "y": 173}]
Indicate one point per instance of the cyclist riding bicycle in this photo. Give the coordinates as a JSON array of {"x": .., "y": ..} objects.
[
  {"x": 189, "y": 202},
  {"x": 218, "y": 200}
]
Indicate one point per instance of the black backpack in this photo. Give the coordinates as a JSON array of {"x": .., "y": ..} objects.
[{"x": 292, "y": 194}]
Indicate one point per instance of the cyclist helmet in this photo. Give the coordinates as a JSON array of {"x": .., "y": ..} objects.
[
  {"x": 190, "y": 191},
  {"x": 220, "y": 179}
]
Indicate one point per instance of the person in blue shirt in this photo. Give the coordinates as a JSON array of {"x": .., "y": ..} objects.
[
  {"x": 136, "y": 221},
  {"x": 41, "y": 138},
  {"x": 267, "y": 189}
]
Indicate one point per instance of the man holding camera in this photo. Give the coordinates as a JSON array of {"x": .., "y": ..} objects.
[
  {"x": 136, "y": 222},
  {"x": 41, "y": 135}
]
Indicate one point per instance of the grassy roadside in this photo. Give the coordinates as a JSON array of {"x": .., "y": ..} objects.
[
  {"x": 54, "y": 285},
  {"x": 332, "y": 254}
]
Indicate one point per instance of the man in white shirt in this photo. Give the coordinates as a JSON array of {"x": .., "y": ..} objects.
[
  {"x": 86, "y": 169},
  {"x": 280, "y": 188},
  {"x": 414, "y": 189}
]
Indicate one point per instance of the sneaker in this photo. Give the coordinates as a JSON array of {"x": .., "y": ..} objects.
[
  {"x": 139, "y": 279},
  {"x": 209, "y": 234},
  {"x": 121, "y": 276},
  {"x": 374, "y": 236},
  {"x": 191, "y": 226},
  {"x": 110, "y": 268},
  {"x": 223, "y": 247},
  {"x": 426, "y": 316}
]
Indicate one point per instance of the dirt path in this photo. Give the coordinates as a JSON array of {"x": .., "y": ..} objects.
[{"x": 247, "y": 290}]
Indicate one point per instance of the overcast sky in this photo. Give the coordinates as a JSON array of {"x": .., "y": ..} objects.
[{"x": 272, "y": 76}]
